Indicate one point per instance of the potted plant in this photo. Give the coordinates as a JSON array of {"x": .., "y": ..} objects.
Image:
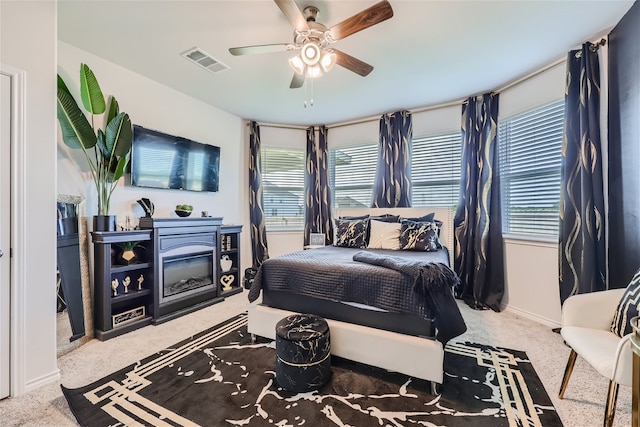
[
  {"x": 107, "y": 149},
  {"x": 184, "y": 210},
  {"x": 127, "y": 254}
]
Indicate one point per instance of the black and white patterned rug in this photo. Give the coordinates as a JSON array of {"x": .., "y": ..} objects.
[{"x": 219, "y": 378}]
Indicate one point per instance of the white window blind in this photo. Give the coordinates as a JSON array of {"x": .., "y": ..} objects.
[
  {"x": 353, "y": 170},
  {"x": 530, "y": 167},
  {"x": 435, "y": 170},
  {"x": 283, "y": 188}
]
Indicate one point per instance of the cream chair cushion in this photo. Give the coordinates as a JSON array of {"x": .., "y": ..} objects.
[{"x": 586, "y": 323}]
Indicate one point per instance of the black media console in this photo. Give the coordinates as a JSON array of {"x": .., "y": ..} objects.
[{"x": 180, "y": 267}]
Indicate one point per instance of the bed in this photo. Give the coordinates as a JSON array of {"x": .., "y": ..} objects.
[{"x": 388, "y": 308}]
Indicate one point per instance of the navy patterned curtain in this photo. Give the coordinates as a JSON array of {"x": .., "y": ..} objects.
[
  {"x": 392, "y": 187},
  {"x": 582, "y": 254},
  {"x": 259, "y": 249},
  {"x": 478, "y": 248},
  {"x": 317, "y": 193}
]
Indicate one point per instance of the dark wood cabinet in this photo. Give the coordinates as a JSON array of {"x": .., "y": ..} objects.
[
  {"x": 230, "y": 281},
  {"x": 119, "y": 309}
]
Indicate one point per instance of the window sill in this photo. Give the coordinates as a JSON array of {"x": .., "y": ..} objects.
[
  {"x": 284, "y": 230},
  {"x": 531, "y": 240}
]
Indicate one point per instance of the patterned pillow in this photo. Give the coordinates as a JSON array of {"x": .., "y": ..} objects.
[
  {"x": 351, "y": 233},
  {"x": 419, "y": 236},
  {"x": 627, "y": 308}
]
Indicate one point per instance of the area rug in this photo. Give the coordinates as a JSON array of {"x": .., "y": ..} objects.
[{"x": 220, "y": 378}]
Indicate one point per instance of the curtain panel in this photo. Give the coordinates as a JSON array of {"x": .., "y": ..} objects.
[
  {"x": 317, "y": 215},
  {"x": 259, "y": 250},
  {"x": 582, "y": 253},
  {"x": 478, "y": 256},
  {"x": 392, "y": 186}
]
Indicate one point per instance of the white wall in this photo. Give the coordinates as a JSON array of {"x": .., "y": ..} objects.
[
  {"x": 153, "y": 105},
  {"x": 159, "y": 107},
  {"x": 28, "y": 35}
]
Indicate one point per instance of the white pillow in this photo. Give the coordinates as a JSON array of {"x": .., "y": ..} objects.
[{"x": 384, "y": 235}]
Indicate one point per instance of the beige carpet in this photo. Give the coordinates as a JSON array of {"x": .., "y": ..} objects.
[{"x": 583, "y": 404}]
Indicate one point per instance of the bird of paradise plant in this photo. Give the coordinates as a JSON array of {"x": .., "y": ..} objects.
[{"x": 111, "y": 145}]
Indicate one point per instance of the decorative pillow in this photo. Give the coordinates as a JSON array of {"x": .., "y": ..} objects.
[
  {"x": 419, "y": 236},
  {"x": 386, "y": 218},
  {"x": 351, "y": 233},
  {"x": 355, "y": 217},
  {"x": 627, "y": 308},
  {"x": 427, "y": 218},
  {"x": 384, "y": 235}
]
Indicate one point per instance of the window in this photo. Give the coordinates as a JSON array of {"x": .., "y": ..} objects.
[
  {"x": 283, "y": 188},
  {"x": 530, "y": 167},
  {"x": 353, "y": 170},
  {"x": 435, "y": 170}
]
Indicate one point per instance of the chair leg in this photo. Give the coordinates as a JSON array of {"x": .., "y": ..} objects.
[
  {"x": 567, "y": 372},
  {"x": 610, "y": 408}
]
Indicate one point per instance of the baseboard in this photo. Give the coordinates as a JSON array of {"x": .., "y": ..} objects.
[
  {"x": 532, "y": 316},
  {"x": 40, "y": 381}
]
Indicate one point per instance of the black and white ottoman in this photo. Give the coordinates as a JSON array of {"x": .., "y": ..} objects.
[{"x": 303, "y": 352}]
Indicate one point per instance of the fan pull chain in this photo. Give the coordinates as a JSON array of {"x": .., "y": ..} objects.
[{"x": 306, "y": 93}]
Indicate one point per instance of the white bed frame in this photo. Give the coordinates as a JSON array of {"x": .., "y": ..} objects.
[{"x": 415, "y": 356}]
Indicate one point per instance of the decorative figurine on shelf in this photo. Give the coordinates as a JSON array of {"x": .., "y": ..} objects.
[
  {"x": 125, "y": 283},
  {"x": 114, "y": 286},
  {"x": 148, "y": 207},
  {"x": 140, "y": 280},
  {"x": 226, "y": 281},
  {"x": 226, "y": 263}
]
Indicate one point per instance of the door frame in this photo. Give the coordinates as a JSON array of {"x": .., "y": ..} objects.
[{"x": 17, "y": 252}]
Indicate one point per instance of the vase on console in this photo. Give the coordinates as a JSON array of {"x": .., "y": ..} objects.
[{"x": 104, "y": 223}]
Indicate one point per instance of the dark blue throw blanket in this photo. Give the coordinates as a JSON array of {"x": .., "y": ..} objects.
[{"x": 434, "y": 281}]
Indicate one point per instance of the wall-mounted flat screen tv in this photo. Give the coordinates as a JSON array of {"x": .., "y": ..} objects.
[{"x": 159, "y": 160}]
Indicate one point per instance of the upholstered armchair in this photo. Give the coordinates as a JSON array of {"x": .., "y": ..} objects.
[{"x": 586, "y": 328}]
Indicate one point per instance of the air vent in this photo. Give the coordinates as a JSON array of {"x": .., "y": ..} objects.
[{"x": 203, "y": 59}]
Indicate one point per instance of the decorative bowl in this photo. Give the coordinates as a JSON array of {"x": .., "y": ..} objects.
[{"x": 182, "y": 213}]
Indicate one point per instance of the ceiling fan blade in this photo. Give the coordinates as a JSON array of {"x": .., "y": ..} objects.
[
  {"x": 352, "y": 64},
  {"x": 374, "y": 15},
  {"x": 291, "y": 10},
  {"x": 264, "y": 48},
  {"x": 297, "y": 81}
]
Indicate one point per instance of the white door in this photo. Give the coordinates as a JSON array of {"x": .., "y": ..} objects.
[{"x": 5, "y": 208}]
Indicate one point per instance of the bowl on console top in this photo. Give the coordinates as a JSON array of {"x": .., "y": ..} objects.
[{"x": 182, "y": 213}]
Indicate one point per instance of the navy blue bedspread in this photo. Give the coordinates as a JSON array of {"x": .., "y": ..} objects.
[{"x": 331, "y": 273}]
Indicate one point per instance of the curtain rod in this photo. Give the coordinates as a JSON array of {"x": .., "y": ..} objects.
[{"x": 512, "y": 83}]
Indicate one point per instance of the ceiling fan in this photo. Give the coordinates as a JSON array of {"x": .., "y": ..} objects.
[{"x": 313, "y": 39}]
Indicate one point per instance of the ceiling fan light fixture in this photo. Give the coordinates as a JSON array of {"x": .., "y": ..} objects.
[
  {"x": 310, "y": 53},
  {"x": 314, "y": 71},
  {"x": 327, "y": 61},
  {"x": 297, "y": 64}
]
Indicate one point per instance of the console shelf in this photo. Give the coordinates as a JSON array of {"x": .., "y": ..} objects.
[
  {"x": 130, "y": 267},
  {"x": 122, "y": 313},
  {"x": 230, "y": 248}
]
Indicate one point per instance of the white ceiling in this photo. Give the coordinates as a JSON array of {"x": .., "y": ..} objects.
[{"x": 428, "y": 53}]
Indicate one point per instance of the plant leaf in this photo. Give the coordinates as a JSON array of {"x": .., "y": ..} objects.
[
  {"x": 62, "y": 84},
  {"x": 90, "y": 92},
  {"x": 119, "y": 135},
  {"x": 113, "y": 109},
  {"x": 122, "y": 164},
  {"x": 76, "y": 130},
  {"x": 102, "y": 145}
]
